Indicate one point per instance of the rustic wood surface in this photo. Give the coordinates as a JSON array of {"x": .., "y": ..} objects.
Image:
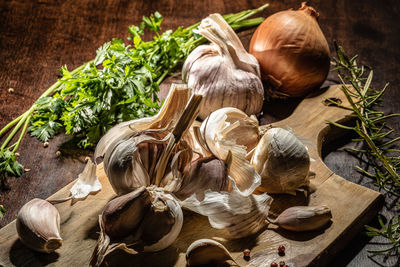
[
  {"x": 352, "y": 205},
  {"x": 38, "y": 37}
]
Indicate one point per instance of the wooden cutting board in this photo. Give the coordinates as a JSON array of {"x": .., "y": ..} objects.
[{"x": 352, "y": 206}]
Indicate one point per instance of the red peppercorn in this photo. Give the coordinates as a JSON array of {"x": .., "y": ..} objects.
[
  {"x": 246, "y": 254},
  {"x": 281, "y": 250},
  {"x": 286, "y": 265},
  {"x": 274, "y": 264},
  {"x": 282, "y": 264}
]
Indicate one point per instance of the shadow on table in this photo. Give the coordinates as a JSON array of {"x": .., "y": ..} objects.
[{"x": 22, "y": 256}]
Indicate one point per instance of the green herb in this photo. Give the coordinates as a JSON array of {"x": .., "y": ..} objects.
[
  {"x": 372, "y": 129},
  {"x": 2, "y": 211},
  {"x": 120, "y": 84}
]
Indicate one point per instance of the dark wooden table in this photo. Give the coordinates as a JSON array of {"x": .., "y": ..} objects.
[{"x": 38, "y": 37}]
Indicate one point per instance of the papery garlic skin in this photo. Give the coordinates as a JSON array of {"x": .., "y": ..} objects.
[
  {"x": 223, "y": 72},
  {"x": 283, "y": 162},
  {"x": 38, "y": 226},
  {"x": 206, "y": 251}
]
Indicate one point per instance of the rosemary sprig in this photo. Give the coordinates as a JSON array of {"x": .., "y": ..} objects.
[{"x": 376, "y": 135}]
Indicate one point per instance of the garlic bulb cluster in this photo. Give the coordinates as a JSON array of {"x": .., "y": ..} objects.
[
  {"x": 282, "y": 160},
  {"x": 38, "y": 226},
  {"x": 223, "y": 72},
  {"x": 143, "y": 220}
]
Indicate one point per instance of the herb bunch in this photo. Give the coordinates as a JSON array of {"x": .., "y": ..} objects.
[
  {"x": 377, "y": 137},
  {"x": 120, "y": 84}
]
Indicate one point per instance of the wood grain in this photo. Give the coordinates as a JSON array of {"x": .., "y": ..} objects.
[
  {"x": 351, "y": 204},
  {"x": 38, "y": 37}
]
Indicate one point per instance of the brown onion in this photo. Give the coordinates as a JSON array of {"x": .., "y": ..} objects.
[{"x": 292, "y": 52}]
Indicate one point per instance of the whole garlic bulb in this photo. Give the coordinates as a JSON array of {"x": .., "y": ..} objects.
[
  {"x": 38, "y": 226},
  {"x": 282, "y": 161},
  {"x": 223, "y": 72}
]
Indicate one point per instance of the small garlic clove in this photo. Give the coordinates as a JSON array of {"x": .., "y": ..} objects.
[
  {"x": 204, "y": 173},
  {"x": 303, "y": 218},
  {"x": 163, "y": 223},
  {"x": 231, "y": 130},
  {"x": 122, "y": 215},
  {"x": 38, "y": 226},
  {"x": 206, "y": 251},
  {"x": 240, "y": 215},
  {"x": 282, "y": 161}
]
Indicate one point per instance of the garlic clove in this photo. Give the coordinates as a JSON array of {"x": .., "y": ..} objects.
[
  {"x": 229, "y": 129},
  {"x": 303, "y": 218},
  {"x": 163, "y": 223},
  {"x": 206, "y": 251},
  {"x": 122, "y": 215},
  {"x": 86, "y": 183},
  {"x": 204, "y": 173},
  {"x": 282, "y": 161},
  {"x": 240, "y": 215},
  {"x": 38, "y": 226}
]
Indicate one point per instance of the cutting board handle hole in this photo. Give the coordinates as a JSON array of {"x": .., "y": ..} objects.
[{"x": 332, "y": 102}]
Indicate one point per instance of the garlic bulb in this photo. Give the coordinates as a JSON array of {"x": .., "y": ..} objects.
[
  {"x": 146, "y": 219},
  {"x": 303, "y": 218},
  {"x": 38, "y": 226},
  {"x": 230, "y": 129},
  {"x": 223, "y": 72},
  {"x": 282, "y": 161}
]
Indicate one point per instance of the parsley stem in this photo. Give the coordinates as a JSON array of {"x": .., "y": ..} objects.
[
  {"x": 11, "y": 124},
  {"x": 22, "y": 133}
]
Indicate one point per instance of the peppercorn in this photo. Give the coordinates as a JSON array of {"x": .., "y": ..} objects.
[
  {"x": 282, "y": 264},
  {"x": 274, "y": 264},
  {"x": 246, "y": 254},
  {"x": 281, "y": 250}
]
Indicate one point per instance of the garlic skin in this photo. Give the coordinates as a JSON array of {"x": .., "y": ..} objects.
[
  {"x": 38, "y": 226},
  {"x": 282, "y": 161},
  {"x": 303, "y": 218},
  {"x": 230, "y": 129},
  {"x": 223, "y": 72}
]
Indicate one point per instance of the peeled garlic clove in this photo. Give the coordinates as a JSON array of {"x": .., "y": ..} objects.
[
  {"x": 122, "y": 215},
  {"x": 282, "y": 161},
  {"x": 229, "y": 129},
  {"x": 206, "y": 251},
  {"x": 162, "y": 223},
  {"x": 303, "y": 218},
  {"x": 204, "y": 173},
  {"x": 38, "y": 226},
  {"x": 223, "y": 72}
]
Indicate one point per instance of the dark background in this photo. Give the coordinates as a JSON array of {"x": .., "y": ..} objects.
[{"x": 38, "y": 37}]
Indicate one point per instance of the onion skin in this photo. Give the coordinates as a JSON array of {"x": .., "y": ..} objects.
[{"x": 292, "y": 52}]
